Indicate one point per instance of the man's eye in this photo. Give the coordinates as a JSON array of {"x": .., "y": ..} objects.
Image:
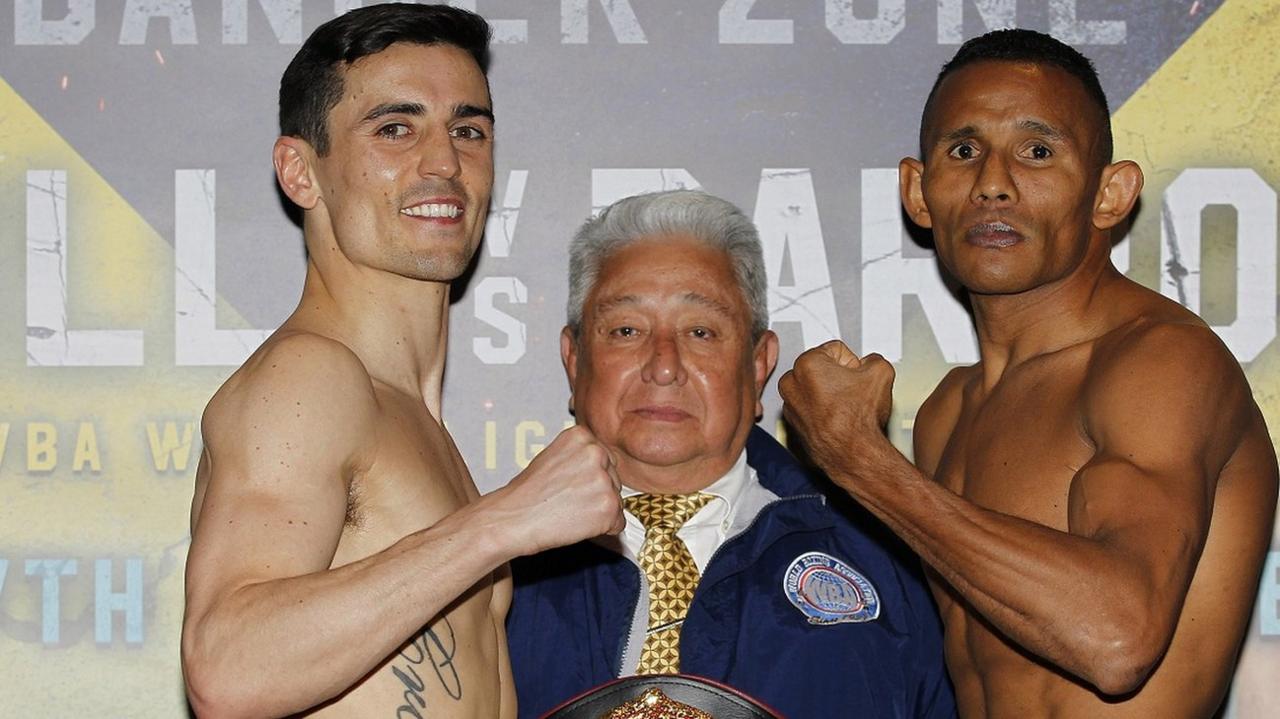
[
  {"x": 702, "y": 333},
  {"x": 393, "y": 130},
  {"x": 623, "y": 332},
  {"x": 467, "y": 132},
  {"x": 1040, "y": 152},
  {"x": 963, "y": 151}
]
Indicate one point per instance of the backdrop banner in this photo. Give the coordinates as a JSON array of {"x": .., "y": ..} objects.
[{"x": 146, "y": 251}]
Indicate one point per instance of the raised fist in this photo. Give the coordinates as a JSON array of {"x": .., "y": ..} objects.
[
  {"x": 839, "y": 403},
  {"x": 568, "y": 493}
]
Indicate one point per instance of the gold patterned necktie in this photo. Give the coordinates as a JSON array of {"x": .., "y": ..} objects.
[{"x": 671, "y": 572}]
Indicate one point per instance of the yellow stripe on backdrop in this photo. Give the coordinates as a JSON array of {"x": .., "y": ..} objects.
[
  {"x": 1215, "y": 103},
  {"x": 96, "y": 463}
]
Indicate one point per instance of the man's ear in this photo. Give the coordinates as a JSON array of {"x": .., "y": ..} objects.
[
  {"x": 764, "y": 358},
  {"x": 1118, "y": 190},
  {"x": 911, "y": 188},
  {"x": 293, "y": 158},
  {"x": 569, "y": 356}
]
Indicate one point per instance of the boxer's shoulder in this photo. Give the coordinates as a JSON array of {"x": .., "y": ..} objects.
[
  {"x": 1162, "y": 357},
  {"x": 294, "y": 363}
]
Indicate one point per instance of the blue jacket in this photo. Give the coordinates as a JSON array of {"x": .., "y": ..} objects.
[{"x": 573, "y": 608}]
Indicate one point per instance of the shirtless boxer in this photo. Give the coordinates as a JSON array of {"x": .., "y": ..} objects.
[
  {"x": 341, "y": 560},
  {"x": 1094, "y": 497}
]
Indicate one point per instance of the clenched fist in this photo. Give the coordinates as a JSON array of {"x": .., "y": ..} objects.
[
  {"x": 568, "y": 493},
  {"x": 840, "y": 404}
]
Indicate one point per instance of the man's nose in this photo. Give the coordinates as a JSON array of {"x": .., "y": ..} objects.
[
  {"x": 994, "y": 183},
  {"x": 439, "y": 156},
  {"x": 664, "y": 366}
]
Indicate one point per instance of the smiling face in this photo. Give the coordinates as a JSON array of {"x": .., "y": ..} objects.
[
  {"x": 664, "y": 371},
  {"x": 405, "y": 185},
  {"x": 1009, "y": 181}
]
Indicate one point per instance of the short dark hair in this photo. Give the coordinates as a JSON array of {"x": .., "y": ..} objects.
[
  {"x": 312, "y": 84},
  {"x": 1036, "y": 48}
]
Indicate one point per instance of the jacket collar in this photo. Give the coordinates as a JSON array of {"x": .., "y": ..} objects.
[{"x": 778, "y": 471}]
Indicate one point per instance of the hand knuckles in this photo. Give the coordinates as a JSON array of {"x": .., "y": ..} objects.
[
  {"x": 607, "y": 511},
  {"x": 875, "y": 359},
  {"x": 785, "y": 385},
  {"x": 887, "y": 373},
  {"x": 592, "y": 452}
]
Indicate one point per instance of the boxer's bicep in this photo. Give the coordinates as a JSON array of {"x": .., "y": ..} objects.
[
  {"x": 274, "y": 476},
  {"x": 1162, "y": 416},
  {"x": 1155, "y": 523}
]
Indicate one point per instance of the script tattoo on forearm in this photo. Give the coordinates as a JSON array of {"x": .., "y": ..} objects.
[{"x": 436, "y": 646}]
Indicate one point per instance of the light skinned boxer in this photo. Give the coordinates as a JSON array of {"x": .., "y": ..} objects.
[{"x": 342, "y": 562}]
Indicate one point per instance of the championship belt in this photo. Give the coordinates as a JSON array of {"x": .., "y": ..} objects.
[{"x": 662, "y": 696}]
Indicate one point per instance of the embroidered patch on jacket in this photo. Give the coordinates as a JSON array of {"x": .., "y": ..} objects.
[{"x": 828, "y": 591}]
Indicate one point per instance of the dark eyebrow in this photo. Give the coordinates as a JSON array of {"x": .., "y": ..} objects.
[
  {"x": 394, "y": 108},
  {"x": 461, "y": 111},
  {"x": 957, "y": 134},
  {"x": 1045, "y": 129},
  {"x": 1036, "y": 126},
  {"x": 417, "y": 109}
]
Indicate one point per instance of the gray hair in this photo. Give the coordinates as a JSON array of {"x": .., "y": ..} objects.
[{"x": 708, "y": 219}]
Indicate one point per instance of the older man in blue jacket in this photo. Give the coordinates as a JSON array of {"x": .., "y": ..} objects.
[{"x": 735, "y": 564}]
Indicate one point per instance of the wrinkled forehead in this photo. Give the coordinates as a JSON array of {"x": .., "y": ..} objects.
[
  {"x": 671, "y": 299},
  {"x": 668, "y": 271},
  {"x": 992, "y": 93}
]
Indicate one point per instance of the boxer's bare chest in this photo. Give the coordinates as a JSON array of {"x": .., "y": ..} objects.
[
  {"x": 1017, "y": 445},
  {"x": 1015, "y": 448},
  {"x": 455, "y": 665},
  {"x": 411, "y": 477}
]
